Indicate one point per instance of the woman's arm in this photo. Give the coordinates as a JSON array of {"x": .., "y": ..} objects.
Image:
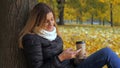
[{"x": 33, "y": 53}]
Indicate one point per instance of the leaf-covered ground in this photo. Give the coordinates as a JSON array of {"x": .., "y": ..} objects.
[{"x": 96, "y": 37}]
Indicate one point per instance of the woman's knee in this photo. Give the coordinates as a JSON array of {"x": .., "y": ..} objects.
[{"x": 107, "y": 51}]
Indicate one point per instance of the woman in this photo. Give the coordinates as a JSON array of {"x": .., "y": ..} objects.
[{"x": 43, "y": 46}]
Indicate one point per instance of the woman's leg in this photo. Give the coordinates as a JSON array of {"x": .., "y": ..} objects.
[{"x": 101, "y": 58}]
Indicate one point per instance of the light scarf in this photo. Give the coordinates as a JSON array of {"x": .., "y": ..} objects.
[{"x": 47, "y": 34}]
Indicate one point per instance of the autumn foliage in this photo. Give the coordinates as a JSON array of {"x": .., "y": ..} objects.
[{"x": 96, "y": 37}]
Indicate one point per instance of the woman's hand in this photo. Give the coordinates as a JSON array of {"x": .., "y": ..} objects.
[
  {"x": 83, "y": 55},
  {"x": 68, "y": 54}
]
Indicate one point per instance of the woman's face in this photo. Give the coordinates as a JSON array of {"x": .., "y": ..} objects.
[{"x": 49, "y": 22}]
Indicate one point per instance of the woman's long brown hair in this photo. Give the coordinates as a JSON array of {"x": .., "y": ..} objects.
[{"x": 36, "y": 18}]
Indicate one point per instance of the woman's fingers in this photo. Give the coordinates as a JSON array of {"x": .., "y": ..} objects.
[
  {"x": 78, "y": 50},
  {"x": 74, "y": 53},
  {"x": 69, "y": 49},
  {"x": 70, "y": 53}
]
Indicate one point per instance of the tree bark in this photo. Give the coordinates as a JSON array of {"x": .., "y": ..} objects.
[
  {"x": 61, "y": 16},
  {"x": 92, "y": 17},
  {"x": 103, "y": 22},
  {"x": 13, "y": 16},
  {"x": 111, "y": 14},
  {"x": 100, "y": 22},
  {"x": 61, "y": 11}
]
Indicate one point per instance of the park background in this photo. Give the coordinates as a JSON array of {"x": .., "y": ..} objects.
[
  {"x": 94, "y": 21},
  {"x": 97, "y": 22}
]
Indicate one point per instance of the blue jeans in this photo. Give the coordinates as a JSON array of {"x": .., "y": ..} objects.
[{"x": 102, "y": 57}]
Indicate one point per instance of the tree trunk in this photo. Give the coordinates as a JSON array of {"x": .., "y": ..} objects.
[
  {"x": 92, "y": 19},
  {"x": 61, "y": 11},
  {"x": 100, "y": 22},
  {"x": 13, "y": 16},
  {"x": 103, "y": 22},
  {"x": 61, "y": 16},
  {"x": 111, "y": 15}
]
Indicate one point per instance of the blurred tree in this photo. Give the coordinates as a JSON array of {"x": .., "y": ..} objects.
[
  {"x": 113, "y": 11},
  {"x": 87, "y": 10},
  {"x": 95, "y": 8},
  {"x": 13, "y": 16},
  {"x": 75, "y": 9},
  {"x": 61, "y": 11},
  {"x": 111, "y": 14}
]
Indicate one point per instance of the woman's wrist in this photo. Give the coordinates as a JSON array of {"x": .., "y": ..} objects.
[{"x": 61, "y": 58}]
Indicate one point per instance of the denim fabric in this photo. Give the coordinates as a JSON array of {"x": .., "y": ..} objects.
[{"x": 102, "y": 57}]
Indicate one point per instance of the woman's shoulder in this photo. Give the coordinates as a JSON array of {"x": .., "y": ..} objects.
[
  {"x": 34, "y": 37},
  {"x": 30, "y": 39},
  {"x": 59, "y": 37},
  {"x": 29, "y": 36}
]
